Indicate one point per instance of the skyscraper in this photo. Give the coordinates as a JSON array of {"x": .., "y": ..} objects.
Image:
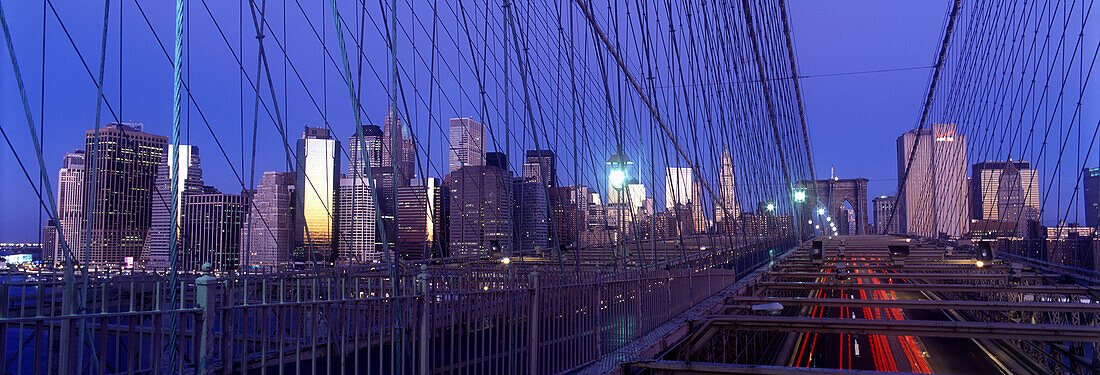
[
  {"x": 564, "y": 217},
  {"x": 1010, "y": 195},
  {"x": 934, "y": 199},
  {"x": 395, "y": 135},
  {"x": 992, "y": 180},
  {"x": 267, "y": 235},
  {"x": 543, "y": 165},
  {"x": 681, "y": 188},
  {"x": 727, "y": 205},
  {"x": 125, "y": 161},
  {"x": 189, "y": 181},
  {"x": 212, "y": 224},
  {"x": 1092, "y": 196},
  {"x": 357, "y": 242},
  {"x": 317, "y": 182},
  {"x": 481, "y": 210},
  {"x": 416, "y": 227},
  {"x": 530, "y": 216},
  {"x": 372, "y": 139},
  {"x": 467, "y": 144},
  {"x": 70, "y": 205},
  {"x": 49, "y": 243},
  {"x": 884, "y": 205}
]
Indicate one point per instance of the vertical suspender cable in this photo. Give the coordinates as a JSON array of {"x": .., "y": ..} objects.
[{"x": 173, "y": 238}]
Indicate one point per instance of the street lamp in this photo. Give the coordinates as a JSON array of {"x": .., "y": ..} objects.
[
  {"x": 770, "y": 207},
  {"x": 620, "y": 171},
  {"x": 799, "y": 195},
  {"x": 821, "y": 211}
]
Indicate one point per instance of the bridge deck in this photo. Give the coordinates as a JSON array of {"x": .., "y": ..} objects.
[{"x": 857, "y": 309}]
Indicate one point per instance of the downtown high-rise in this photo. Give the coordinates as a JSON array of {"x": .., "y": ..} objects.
[
  {"x": 69, "y": 230},
  {"x": 372, "y": 144},
  {"x": 481, "y": 210},
  {"x": 541, "y": 165},
  {"x": 530, "y": 214},
  {"x": 933, "y": 200},
  {"x": 467, "y": 144},
  {"x": 1091, "y": 195},
  {"x": 317, "y": 182},
  {"x": 267, "y": 235},
  {"x": 884, "y": 207},
  {"x": 357, "y": 243},
  {"x": 416, "y": 226},
  {"x": 125, "y": 161},
  {"x": 684, "y": 191},
  {"x": 188, "y": 174},
  {"x": 398, "y": 148},
  {"x": 211, "y": 227},
  {"x": 1004, "y": 191},
  {"x": 726, "y": 209}
]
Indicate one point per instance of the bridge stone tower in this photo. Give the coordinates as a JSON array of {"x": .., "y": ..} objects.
[{"x": 833, "y": 193}]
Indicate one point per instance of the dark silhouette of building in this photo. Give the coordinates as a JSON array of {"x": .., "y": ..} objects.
[
  {"x": 212, "y": 224},
  {"x": 125, "y": 160},
  {"x": 481, "y": 210}
]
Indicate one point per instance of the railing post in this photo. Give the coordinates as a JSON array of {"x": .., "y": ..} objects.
[
  {"x": 204, "y": 297},
  {"x": 533, "y": 345},
  {"x": 425, "y": 301}
]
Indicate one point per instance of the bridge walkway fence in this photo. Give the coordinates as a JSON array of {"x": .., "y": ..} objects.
[{"x": 470, "y": 318}]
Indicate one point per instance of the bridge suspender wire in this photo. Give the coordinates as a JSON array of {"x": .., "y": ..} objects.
[
  {"x": 641, "y": 93},
  {"x": 174, "y": 156},
  {"x": 71, "y": 303}
]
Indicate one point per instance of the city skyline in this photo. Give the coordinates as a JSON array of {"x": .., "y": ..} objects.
[{"x": 842, "y": 57}]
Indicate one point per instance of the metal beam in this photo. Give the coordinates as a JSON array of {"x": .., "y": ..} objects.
[
  {"x": 684, "y": 368},
  {"x": 919, "y": 328},
  {"x": 1091, "y": 308},
  {"x": 1047, "y": 289},
  {"x": 910, "y": 275}
]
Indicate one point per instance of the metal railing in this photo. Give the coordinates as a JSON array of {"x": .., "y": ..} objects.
[{"x": 437, "y": 319}]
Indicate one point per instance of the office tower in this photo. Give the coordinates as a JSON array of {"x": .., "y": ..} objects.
[
  {"x": 125, "y": 160},
  {"x": 934, "y": 199},
  {"x": 530, "y": 215},
  {"x": 317, "y": 182},
  {"x": 49, "y": 243},
  {"x": 993, "y": 180},
  {"x": 395, "y": 135},
  {"x": 442, "y": 219},
  {"x": 212, "y": 224},
  {"x": 581, "y": 200},
  {"x": 387, "y": 204},
  {"x": 1092, "y": 196},
  {"x": 189, "y": 181},
  {"x": 884, "y": 207},
  {"x": 597, "y": 217},
  {"x": 416, "y": 205},
  {"x": 372, "y": 140},
  {"x": 543, "y": 166},
  {"x": 727, "y": 206},
  {"x": 357, "y": 241},
  {"x": 481, "y": 210},
  {"x": 70, "y": 205},
  {"x": 267, "y": 236},
  {"x": 498, "y": 160},
  {"x": 1011, "y": 195},
  {"x": 564, "y": 216},
  {"x": 467, "y": 144},
  {"x": 681, "y": 188}
]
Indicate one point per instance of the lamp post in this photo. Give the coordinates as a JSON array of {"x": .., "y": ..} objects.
[
  {"x": 617, "y": 179},
  {"x": 798, "y": 196}
]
